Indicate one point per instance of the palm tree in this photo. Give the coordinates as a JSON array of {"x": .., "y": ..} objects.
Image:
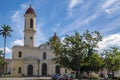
[{"x": 5, "y": 32}]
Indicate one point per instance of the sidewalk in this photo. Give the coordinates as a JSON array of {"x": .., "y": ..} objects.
[{"x": 27, "y": 78}]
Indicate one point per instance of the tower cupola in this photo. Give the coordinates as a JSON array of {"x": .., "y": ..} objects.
[
  {"x": 30, "y": 10},
  {"x": 29, "y": 27},
  {"x": 55, "y": 37}
]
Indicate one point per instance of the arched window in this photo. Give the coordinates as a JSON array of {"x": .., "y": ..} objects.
[
  {"x": 20, "y": 54},
  {"x": 31, "y": 23},
  {"x": 44, "y": 55},
  {"x": 19, "y": 70}
]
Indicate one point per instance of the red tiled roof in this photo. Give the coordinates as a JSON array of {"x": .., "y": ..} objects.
[{"x": 30, "y": 11}]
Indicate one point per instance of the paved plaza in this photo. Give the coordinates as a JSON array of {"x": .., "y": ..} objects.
[{"x": 27, "y": 78}]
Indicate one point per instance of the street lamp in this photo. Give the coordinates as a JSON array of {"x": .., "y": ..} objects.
[{"x": 38, "y": 67}]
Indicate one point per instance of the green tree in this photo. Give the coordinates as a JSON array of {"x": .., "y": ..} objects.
[
  {"x": 112, "y": 59},
  {"x": 1, "y": 61},
  {"x": 1, "y": 57},
  {"x": 5, "y": 32},
  {"x": 93, "y": 61},
  {"x": 72, "y": 51}
]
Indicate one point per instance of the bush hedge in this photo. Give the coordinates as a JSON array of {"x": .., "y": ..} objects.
[
  {"x": 116, "y": 78},
  {"x": 90, "y": 77}
]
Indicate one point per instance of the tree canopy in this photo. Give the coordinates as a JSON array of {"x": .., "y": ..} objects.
[
  {"x": 74, "y": 49},
  {"x": 1, "y": 57},
  {"x": 112, "y": 59}
]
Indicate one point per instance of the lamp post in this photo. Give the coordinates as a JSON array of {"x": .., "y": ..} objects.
[{"x": 38, "y": 67}]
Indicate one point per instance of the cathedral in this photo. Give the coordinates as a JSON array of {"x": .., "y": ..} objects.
[{"x": 29, "y": 60}]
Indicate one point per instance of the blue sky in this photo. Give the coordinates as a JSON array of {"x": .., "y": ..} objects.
[{"x": 63, "y": 17}]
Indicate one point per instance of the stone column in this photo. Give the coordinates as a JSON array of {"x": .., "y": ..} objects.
[{"x": 25, "y": 69}]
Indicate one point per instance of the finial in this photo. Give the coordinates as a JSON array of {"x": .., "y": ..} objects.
[
  {"x": 54, "y": 33},
  {"x": 30, "y": 5}
]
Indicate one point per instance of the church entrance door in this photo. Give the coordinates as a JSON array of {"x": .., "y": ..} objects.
[
  {"x": 44, "y": 69},
  {"x": 30, "y": 70}
]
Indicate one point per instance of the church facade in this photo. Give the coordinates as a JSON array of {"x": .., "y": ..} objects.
[{"x": 29, "y": 60}]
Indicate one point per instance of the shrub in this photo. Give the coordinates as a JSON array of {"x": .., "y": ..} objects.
[
  {"x": 117, "y": 78},
  {"x": 90, "y": 77}
]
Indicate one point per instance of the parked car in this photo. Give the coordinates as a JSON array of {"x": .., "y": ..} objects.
[
  {"x": 56, "y": 77},
  {"x": 66, "y": 77}
]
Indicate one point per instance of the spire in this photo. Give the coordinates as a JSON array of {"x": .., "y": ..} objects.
[
  {"x": 54, "y": 33},
  {"x": 30, "y": 6}
]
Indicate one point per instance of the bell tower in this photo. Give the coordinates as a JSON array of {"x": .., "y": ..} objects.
[{"x": 29, "y": 27}]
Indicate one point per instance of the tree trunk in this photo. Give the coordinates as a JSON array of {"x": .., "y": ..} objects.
[
  {"x": 4, "y": 56},
  {"x": 76, "y": 74},
  {"x": 88, "y": 73},
  {"x": 112, "y": 73}
]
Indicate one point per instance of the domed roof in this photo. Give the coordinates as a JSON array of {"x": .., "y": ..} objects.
[
  {"x": 30, "y": 10},
  {"x": 55, "y": 37}
]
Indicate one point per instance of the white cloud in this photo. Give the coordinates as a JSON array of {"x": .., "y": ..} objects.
[
  {"x": 24, "y": 6},
  {"x": 77, "y": 23},
  {"x": 8, "y": 53},
  {"x": 18, "y": 19},
  {"x": 92, "y": 17},
  {"x": 110, "y": 41},
  {"x": 72, "y": 4},
  {"x": 108, "y": 3},
  {"x": 82, "y": 19},
  {"x": 111, "y": 6},
  {"x": 8, "y": 50},
  {"x": 17, "y": 42},
  {"x": 40, "y": 38}
]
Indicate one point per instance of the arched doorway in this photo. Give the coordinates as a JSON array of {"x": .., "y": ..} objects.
[
  {"x": 57, "y": 69},
  {"x": 44, "y": 69},
  {"x": 30, "y": 70}
]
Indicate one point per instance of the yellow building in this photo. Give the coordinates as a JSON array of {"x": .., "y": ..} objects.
[{"x": 29, "y": 60}]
